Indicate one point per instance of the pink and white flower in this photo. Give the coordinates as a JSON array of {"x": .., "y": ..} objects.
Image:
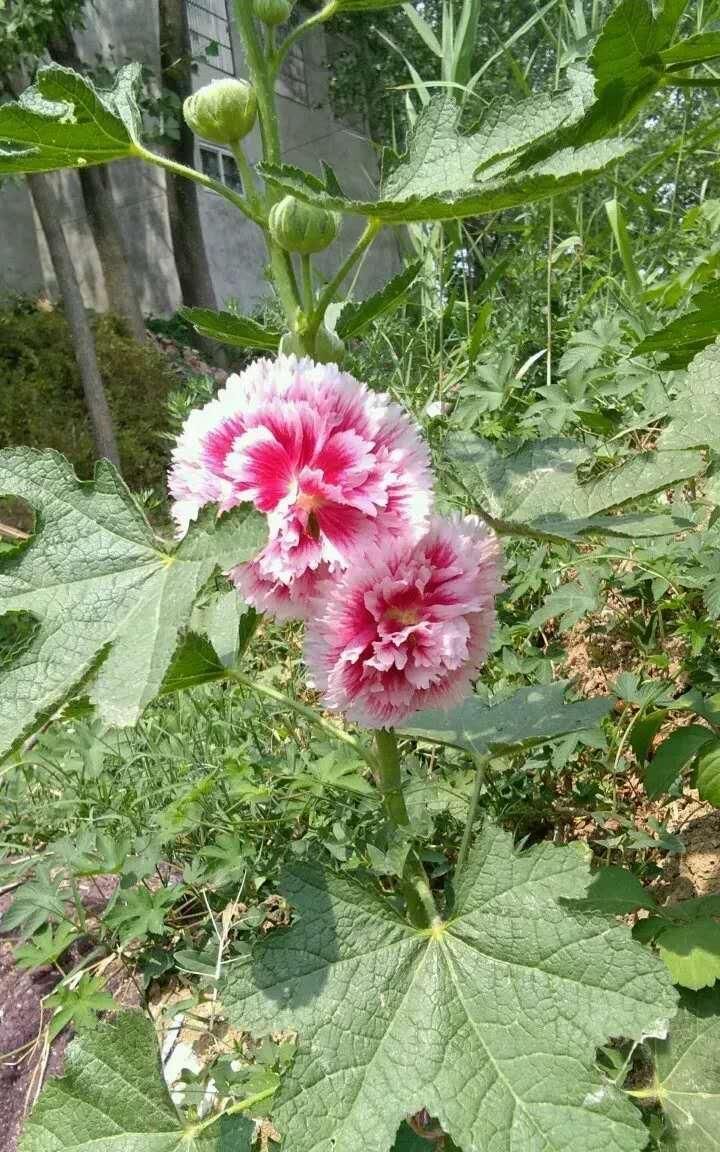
[
  {"x": 408, "y": 625},
  {"x": 333, "y": 465}
]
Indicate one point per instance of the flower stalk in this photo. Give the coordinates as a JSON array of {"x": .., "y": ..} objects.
[{"x": 419, "y": 899}]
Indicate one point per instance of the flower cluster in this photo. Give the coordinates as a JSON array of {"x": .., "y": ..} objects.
[{"x": 399, "y": 604}]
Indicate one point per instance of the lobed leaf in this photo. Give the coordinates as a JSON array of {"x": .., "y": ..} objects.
[
  {"x": 111, "y": 600},
  {"x": 686, "y": 336},
  {"x": 687, "y": 1075},
  {"x": 490, "y": 1020},
  {"x": 530, "y": 716},
  {"x": 64, "y": 121},
  {"x": 537, "y": 490},
  {"x": 113, "y": 1098},
  {"x": 694, "y": 417}
]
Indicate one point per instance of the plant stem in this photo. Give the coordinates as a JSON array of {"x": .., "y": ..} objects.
[
  {"x": 235, "y": 198},
  {"x": 480, "y": 763},
  {"x": 327, "y": 295},
  {"x": 308, "y": 293},
  {"x": 319, "y": 18},
  {"x": 241, "y": 1106},
  {"x": 262, "y": 78},
  {"x": 254, "y": 197},
  {"x": 307, "y": 713},
  {"x": 416, "y": 887}
]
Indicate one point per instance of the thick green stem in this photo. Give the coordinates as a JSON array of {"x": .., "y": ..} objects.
[
  {"x": 480, "y": 763},
  {"x": 308, "y": 292},
  {"x": 285, "y": 282},
  {"x": 416, "y": 887},
  {"x": 262, "y": 80}
]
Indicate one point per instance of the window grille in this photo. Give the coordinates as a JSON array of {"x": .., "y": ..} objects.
[{"x": 210, "y": 34}]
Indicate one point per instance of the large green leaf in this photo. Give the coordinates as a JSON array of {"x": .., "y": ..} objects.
[
  {"x": 673, "y": 755},
  {"x": 446, "y": 175},
  {"x": 707, "y": 777},
  {"x": 692, "y": 953},
  {"x": 240, "y": 331},
  {"x": 110, "y": 598},
  {"x": 537, "y": 489},
  {"x": 529, "y": 716},
  {"x": 489, "y": 1020},
  {"x": 626, "y": 63},
  {"x": 113, "y": 1098},
  {"x": 687, "y": 1073},
  {"x": 684, "y": 337},
  {"x": 64, "y": 121},
  {"x": 695, "y": 414}
]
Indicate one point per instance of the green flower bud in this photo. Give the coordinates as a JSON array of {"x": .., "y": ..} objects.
[
  {"x": 273, "y": 11},
  {"x": 300, "y": 227},
  {"x": 329, "y": 348},
  {"x": 223, "y": 111}
]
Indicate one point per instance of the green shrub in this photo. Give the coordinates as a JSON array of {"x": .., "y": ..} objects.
[{"x": 41, "y": 397}]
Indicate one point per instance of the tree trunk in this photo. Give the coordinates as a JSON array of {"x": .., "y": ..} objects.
[
  {"x": 47, "y": 208},
  {"x": 123, "y": 297},
  {"x": 184, "y": 210}
]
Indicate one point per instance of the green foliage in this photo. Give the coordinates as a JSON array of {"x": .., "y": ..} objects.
[
  {"x": 355, "y": 317},
  {"x": 538, "y": 488},
  {"x": 498, "y": 984},
  {"x": 437, "y": 179},
  {"x": 113, "y": 1098},
  {"x": 42, "y": 398},
  {"x": 685, "y": 337},
  {"x": 240, "y": 331},
  {"x": 686, "y": 1079},
  {"x": 110, "y": 598},
  {"x": 673, "y": 755},
  {"x": 64, "y": 121},
  {"x": 694, "y": 415},
  {"x": 530, "y": 716}
]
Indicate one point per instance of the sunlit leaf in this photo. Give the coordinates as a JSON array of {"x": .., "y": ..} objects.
[{"x": 490, "y": 1021}]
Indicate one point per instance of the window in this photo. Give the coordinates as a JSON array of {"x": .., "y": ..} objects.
[
  {"x": 220, "y": 166},
  {"x": 210, "y": 34}
]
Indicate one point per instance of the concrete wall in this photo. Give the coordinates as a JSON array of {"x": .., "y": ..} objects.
[{"x": 129, "y": 30}]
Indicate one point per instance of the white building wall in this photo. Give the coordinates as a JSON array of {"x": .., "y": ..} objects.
[{"x": 128, "y": 30}]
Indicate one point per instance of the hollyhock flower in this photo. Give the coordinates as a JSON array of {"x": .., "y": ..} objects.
[
  {"x": 332, "y": 465},
  {"x": 408, "y": 625}
]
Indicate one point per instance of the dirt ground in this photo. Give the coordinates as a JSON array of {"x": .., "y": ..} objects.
[
  {"x": 21, "y": 995},
  {"x": 25, "y": 1061}
]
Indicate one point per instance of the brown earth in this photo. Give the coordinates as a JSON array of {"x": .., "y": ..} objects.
[{"x": 25, "y": 1057}]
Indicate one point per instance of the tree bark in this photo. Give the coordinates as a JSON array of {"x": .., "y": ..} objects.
[
  {"x": 191, "y": 259},
  {"x": 47, "y": 208},
  {"x": 123, "y": 297}
]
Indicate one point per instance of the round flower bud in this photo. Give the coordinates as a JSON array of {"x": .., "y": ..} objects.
[
  {"x": 300, "y": 227},
  {"x": 273, "y": 11},
  {"x": 223, "y": 111},
  {"x": 329, "y": 348}
]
